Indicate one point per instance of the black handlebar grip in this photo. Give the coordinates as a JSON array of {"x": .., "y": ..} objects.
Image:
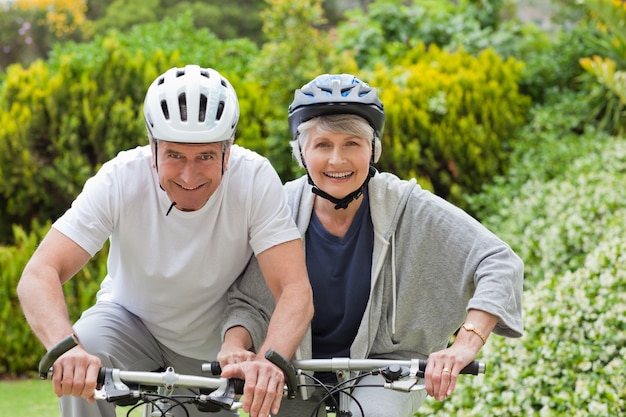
[
  {"x": 216, "y": 368},
  {"x": 239, "y": 384},
  {"x": 101, "y": 376},
  {"x": 288, "y": 369},
  {"x": 473, "y": 368},
  {"x": 53, "y": 354}
]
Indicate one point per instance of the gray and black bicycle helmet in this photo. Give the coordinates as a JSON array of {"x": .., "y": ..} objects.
[
  {"x": 191, "y": 105},
  {"x": 331, "y": 94},
  {"x": 338, "y": 94}
]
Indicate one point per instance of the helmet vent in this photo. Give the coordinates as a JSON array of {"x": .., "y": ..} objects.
[
  {"x": 202, "y": 114},
  {"x": 182, "y": 105},
  {"x": 180, "y": 72},
  {"x": 220, "y": 110},
  {"x": 345, "y": 91},
  {"x": 166, "y": 112},
  {"x": 205, "y": 73}
]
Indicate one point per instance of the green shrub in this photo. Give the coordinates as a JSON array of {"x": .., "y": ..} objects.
[
  {"x": 570, "y": 362},
  {"x": 390, "y": 28},
  {"x": 558, "y": 222},
  {"x": 550, "y": 59},
  {"x": 555, "y": 202},
  {"x": 449, "y": 117},
  {"x": 59, "y": 127},
  {"x": 566, "y": 221},
  {"x": 62, "y": 119},
  {"x": 20, "y": 350},
  {"x": 606, "y": 70}
]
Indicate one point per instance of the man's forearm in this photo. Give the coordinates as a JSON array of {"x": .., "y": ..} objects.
[{"x": 44, "y": 307}]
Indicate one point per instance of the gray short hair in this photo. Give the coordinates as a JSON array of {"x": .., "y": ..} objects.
[{"x": 335, "y": 123}]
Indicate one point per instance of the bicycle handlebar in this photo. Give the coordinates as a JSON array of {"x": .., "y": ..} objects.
[
  {"x": 53, "y": 354},
  {"x": 288, "y": 369},
  {"x": 114, "y": 383},
  {"x": 347, "y": 364},
  {"x": 401, "y": 375},
  {"x": 416, "y": 366}
]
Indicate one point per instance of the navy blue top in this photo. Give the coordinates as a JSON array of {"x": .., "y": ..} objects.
[{"x": 340, "y": 272}]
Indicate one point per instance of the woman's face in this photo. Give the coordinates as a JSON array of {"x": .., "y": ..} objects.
[
  {"x": 338, "y": 163},
  {"x": 190, "y": 173}
]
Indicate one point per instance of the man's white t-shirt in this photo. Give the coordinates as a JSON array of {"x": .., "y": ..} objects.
[{"x": 173, "y": 271}]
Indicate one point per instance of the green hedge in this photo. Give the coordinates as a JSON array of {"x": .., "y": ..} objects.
[
  {"x": 449, "y": 114},
  {"x": 450, "y": 117},
  {"x": 20, "y": 351},
  {"x": 561, "y": 211},
  {"x": 63, "y": 118}
]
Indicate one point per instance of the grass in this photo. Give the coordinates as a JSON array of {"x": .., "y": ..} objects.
[
  {"x": 28, "y": 397},
  {"x": 35, "y": 398}
]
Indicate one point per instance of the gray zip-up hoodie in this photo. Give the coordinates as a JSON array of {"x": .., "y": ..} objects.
[{"x": 431, "y": 263}]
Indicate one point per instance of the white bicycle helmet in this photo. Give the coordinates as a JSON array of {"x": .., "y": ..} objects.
[
  {"x": 338, "y": 94},
  {"x": 191, "y": 105}
]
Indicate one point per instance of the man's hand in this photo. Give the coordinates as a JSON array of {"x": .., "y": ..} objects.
[
  {"x": 76, "y": 373},
  {"x": 264, "y": 386}
]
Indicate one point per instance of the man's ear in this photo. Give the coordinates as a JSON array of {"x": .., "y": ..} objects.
[
  {"x": 226, "y": 158},
  {"x": 154, "y": 149}
]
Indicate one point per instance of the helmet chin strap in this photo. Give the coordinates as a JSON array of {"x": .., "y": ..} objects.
[{"x": 342, "y": 203}]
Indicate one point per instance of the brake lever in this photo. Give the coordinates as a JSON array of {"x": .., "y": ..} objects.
[
  {"x": 224, "y": 396},
  {"x": 113, "y": 389},
  {"x": 100, "y": 394},
  {"x": 406, "y": 381}
]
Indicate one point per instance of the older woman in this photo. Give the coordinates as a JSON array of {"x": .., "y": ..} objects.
[{"x": 395, "y": 270}]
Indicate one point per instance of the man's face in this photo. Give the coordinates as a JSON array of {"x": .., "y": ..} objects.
[{"x": 190, "y": 173}]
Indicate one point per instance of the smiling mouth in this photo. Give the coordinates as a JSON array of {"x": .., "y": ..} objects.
[
  {"x": 339, "y": 175},
  {"x": 190, "y": 189}
]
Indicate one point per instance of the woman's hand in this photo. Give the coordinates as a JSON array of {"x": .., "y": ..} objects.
[
  {"x": 236, "y": 347},
  {"x": 444, "y": 368}
]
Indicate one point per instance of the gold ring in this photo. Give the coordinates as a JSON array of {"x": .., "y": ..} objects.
[{"x": 446, "y": 371}]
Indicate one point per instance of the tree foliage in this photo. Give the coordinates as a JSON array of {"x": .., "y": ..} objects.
[
  {"x": 450, "y": 117},
  {"x": 63, "y": 17},
  {"x": 608, "y": 67},
  {"x": 235, "y": 19},
  {"x": 296, "y": 51},
  {"x": 63, "y": 118}
]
